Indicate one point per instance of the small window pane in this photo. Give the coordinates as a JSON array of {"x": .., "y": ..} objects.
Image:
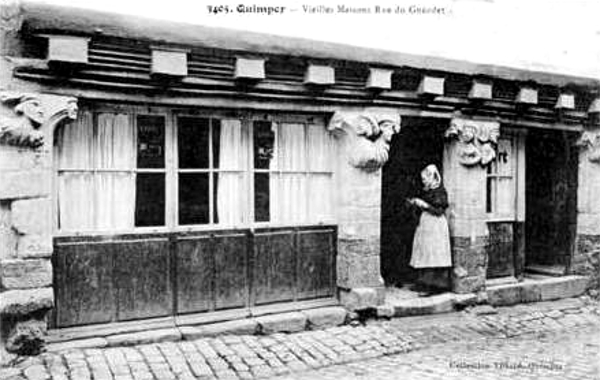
[
  {"x": 264, "y": 141},
  {"x": 216, "y": 142},
  {"x": 216, "y": 196},
  {"x": 261, "y": 197},
  {"x": 505, "y": 157},
  {"x": 320, "y": 201},
  {"x": 229, "y": 201},
  {"x": 319, "y": 148},
  {"x": 193, "y": 140},
  {"x": 488, "y": 195},
  {"x": 291, "y": 147},
  {"x": 150, "y": 199},
  {"x": 193, "y": 198},
  {"x": 151, "y": 141},
  {"x": 505, "y": 197},
  {"x": 289, "y": 198},
  {"x": 228, "y": 145}
]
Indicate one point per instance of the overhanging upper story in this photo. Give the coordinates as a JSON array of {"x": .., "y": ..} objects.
[{"x": 96, "y": 55}]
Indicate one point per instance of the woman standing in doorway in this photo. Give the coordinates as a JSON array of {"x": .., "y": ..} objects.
[{"x": 431, "y": 245}]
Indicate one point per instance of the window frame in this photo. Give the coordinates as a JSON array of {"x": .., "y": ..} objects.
[
  {"x": 210, "y": 170},
  {"x": 278, "y": 119},
  {"x": 517, "y": 176},
  {"x": 171, "y": 170},
  {"x": 132, "y": 112}
]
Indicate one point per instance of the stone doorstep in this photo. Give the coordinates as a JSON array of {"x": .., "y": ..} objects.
[
  {"x": 538, "y": 289},
  {"x": 502, "y": 294},
  {"x": 442, "y": 303},
  {"x": 288, "y": 322}
]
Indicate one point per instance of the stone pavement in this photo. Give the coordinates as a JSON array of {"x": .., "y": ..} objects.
[
  {"x": 555, "y": 355},
  {"x": 245, "y": 357}
]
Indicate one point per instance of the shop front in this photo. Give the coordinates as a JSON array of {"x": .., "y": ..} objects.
[{"x": 171, "y": 212}]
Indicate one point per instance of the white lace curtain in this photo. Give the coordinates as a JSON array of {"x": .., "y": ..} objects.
[
  {"x": 96, "y": 183},
  {"x": 320, "y": 163},
  {"x": 96, "y": 164},
  {"x": 503, "y": 189},
  {"x": 231, "y": 202},
  {"x": 300, "y": 194}
]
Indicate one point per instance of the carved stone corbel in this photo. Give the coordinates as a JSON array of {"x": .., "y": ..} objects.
[
  {"x": 22, "y": 127},
  {"x": 369, "y": 136},
  {"x": 476, "y": 140},
  {"x": 590, "y": 139},
  {"x": 25, "y": 116}
]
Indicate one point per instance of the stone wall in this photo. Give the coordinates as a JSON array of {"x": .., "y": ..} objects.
[
  {"x": 465, "y": 181},
  {"x": 27, "y": 123},
  {"x": 363, "y": 139},
  {"x": 586, "y": 258}
]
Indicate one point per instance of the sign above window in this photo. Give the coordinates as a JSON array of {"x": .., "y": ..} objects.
[
  {"x": 249, "y": 68},
  {"x": 380, "y": 79},
  {"x": 67, "y": 49},
  {"x": 169, "y": 62},
  {"x": 431, "y": 86},
  {"x": 320, "y": 75}
]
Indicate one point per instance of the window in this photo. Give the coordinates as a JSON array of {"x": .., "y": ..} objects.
[
  {"x": 210, "y": 171},
  {"x": 292, "y": 172},
  {"x": 504, "y": 194},
  {"x": 150, "y": 179},
  {"x": 131, "y": 169},
  {"x": 102, "y": 183}
]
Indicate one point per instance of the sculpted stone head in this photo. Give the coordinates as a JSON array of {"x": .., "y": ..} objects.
[{"x": 31, "y": 107}]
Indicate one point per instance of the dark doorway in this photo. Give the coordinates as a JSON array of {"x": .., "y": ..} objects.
[
  {"x": 419, "y": 143},
  {"x": 551, "y": 200}
]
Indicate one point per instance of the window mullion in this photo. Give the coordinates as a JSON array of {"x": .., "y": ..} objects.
[
  {"x": 249, "y": 170},
  {"x": 211, "y": 174},
  {"x": 95, "y": 182},
  {"x": 171, "y": 178},
  {"x": 306, "y": 172}
]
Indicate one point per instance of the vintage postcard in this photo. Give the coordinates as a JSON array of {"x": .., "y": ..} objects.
[{"x": 353, "y": 189}]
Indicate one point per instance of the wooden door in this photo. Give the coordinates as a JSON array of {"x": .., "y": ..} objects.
[
  {"x": 551, "y": 207},
  {"x": 501, "y": 249},
  {"x": 99, "y": 281}
]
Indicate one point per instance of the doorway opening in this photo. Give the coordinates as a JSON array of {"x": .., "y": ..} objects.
[
  {"x": 551, "y": 201},
  {"x": 419, "y": 143}
]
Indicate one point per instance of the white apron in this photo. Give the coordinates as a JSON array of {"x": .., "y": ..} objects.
[{"x": 431, "y": 244}]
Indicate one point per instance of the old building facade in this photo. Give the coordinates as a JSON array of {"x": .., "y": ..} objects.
[{"x": 164, "y": 172}]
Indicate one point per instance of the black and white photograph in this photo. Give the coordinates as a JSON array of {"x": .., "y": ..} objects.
[{"x": 299, "y": 190}]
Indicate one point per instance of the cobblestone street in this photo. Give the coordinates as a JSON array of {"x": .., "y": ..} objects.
[
  {"x": 545, "y": 340},
  {"x": 555, "y": 355}
]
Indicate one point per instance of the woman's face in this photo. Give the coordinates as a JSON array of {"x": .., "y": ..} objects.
[{"x": 426, "y": 177}]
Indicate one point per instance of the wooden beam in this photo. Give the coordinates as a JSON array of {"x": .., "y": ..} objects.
[
  {"x": 565, "y": 101},
  {"x": 67, "y": 49},
  {"x": 481, "y": 90},
  {"x": 527, "y": 95},
  {"x": 169, "y": 62},
  {"x": 431, "y": 86},
  {"x": 379, "y": 79},
  {"x": 320, "y": 75},
  {"x": 249, "y": 68},
  {"x": 39, "y": 17}
]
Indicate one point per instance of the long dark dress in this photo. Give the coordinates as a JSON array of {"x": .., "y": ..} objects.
[{"x": 431, "y": 253}]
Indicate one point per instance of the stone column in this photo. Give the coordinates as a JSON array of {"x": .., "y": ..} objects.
[
  {"x": 470, "y": 148},
  {"x": 363, "y": 142},
  {"x": 586, "y": 259},
  {"x": 27, "y": 123}
]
